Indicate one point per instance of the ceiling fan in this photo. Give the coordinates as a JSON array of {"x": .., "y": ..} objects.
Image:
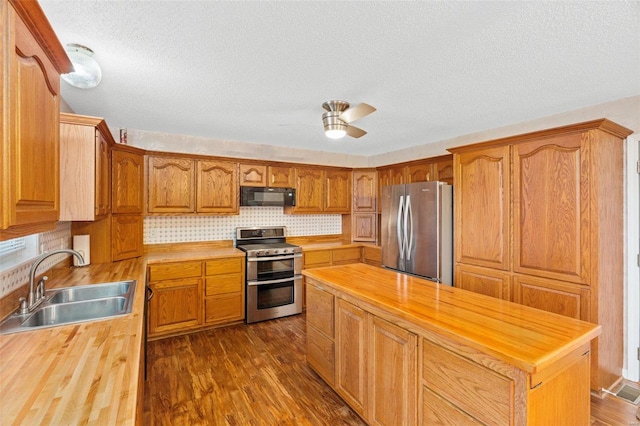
[{"x": 338, "y": 116}]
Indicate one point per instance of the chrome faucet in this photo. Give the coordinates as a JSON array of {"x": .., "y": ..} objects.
[{"x": 36, "y": 294}]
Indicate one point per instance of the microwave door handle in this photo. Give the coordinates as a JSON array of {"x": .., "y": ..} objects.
[
  {"x": 399, "y": 228},
  {"x": 408, "y": 227}
]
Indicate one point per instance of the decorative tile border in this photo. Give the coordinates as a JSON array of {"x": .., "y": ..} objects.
[{"x": 178, "y": 229}]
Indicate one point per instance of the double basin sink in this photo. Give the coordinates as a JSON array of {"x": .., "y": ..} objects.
[{"x": 71, "y": 305}]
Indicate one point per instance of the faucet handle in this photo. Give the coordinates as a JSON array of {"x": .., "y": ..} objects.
[
  {"x": 40, "y": 288},
  {"x": 24, "y": 308}
]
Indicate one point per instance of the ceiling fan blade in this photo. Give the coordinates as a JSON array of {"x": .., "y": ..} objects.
[
  {"x": 355, "y": 132},
  {"x": 356, "y": 112}
]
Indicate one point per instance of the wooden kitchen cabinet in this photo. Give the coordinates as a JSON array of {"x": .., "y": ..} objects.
[
  {"x": 363, "y": 216},
  {"x": 171, "y": 185},
  {"x": 127, "y": 193},
  {"x": 280, "y": 176},
  {"x": 32, "y": 60},
  {"x": 177, "y": 297},
  {"x": 351, "y": 352},
  {"x": 390, "y": 176},
  {"x": 320, "y": 332},
  {"x": 309, "y": 185},
  {"x": 420, "y": 172},
  {"x": 266, "y": 176},
  {"x": 217, "y": 187},
  {"x": 481, "y": 208},
  {"x": 443, "y": 171},
  {"x": 490, "y": 282},
  {"x": 85, "y": 168},
  {"x": 337, "y": 191},
  {"x": 364, "y": 227},
  {"x": 224, "y": 294},
  {"x": 545, "y": 208},
  {"x": 126, "y": 237},
  {"x": 253, "y": 175}
]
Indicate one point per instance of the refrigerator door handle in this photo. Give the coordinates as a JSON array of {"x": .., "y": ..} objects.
[
  {"x": 408, "y": 227},
  {"x": 399, "y": 227}
]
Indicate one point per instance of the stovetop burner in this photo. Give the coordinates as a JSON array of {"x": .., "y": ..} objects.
[{"x": 265, "y": 241}]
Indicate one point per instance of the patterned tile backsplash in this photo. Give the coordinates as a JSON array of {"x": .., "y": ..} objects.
[
  {"x": 52, "y": 240},
  {"x": 177, "y": 229}
]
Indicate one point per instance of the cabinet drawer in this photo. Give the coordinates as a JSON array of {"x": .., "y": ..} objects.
[
  {"x": 348, "y": 255},
  {"x": 169, "y": 271},
  {"x": 317, "y": 258},
  {"x": 221, "y": 284},
  {"x": 437, "y": 411},
  {"x": 320, "y": 310},
  {"x": 224, "y": 308},
  {"x": 476, "y": 390},
  {"x": 224, "y": 266},
  {"x": 320, "y": 353}
]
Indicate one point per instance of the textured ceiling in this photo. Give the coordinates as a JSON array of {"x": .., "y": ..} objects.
[{"x": 259, "y": 71}]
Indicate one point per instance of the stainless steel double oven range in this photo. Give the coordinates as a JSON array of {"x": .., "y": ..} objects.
[{"x": 273, "y": 273}]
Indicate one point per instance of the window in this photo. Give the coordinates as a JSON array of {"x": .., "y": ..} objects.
[{"x": 16, "y": 251}]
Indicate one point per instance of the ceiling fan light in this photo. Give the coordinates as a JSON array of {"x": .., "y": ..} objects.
[
  {"x": 87, "y": 73},
  {"x": 335, "y": 133}
]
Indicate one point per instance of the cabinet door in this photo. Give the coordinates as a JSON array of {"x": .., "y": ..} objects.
[
  {"x": 126, "y": 236},
  {"x": 344, "y": 256},
  {"x": 392, "y": 364},
  {"x": 484, "y": 281},
  {"x": 280, "y": 177},
  {"x": 79, "y": 171},
  {"x": 551, "y": 208},
  {"x": 420, "y": 173},
  {"x": 482, "y": 207},
  {"x": 337, "y": 197},
  {"x": 320, "y": 332},
  {"x": 443, "y": 171},
  {"x": 364, "y": 226},
  {"x": 351, "y": 372},
  {"x": 175, "y": 305},
  {"x": 171, "y": 185},
  {"x": 218, "y": 187},
  {"x": 571, "y": 300},
  {"x": 309, "y": 191},
  {"x": 316, "y": 258},
  {"x": 103, "y": 175},
  {"x": 127, "y": 175},
  {"x": 365, "y": 191},
  {"x": 253, "y": 175},
  {"x": 30, "y": 152}
]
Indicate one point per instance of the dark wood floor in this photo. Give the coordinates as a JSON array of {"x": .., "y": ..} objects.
[{"x": 257, "y": 375}]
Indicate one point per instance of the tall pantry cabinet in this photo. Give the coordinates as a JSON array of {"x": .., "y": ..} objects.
[{"x": 539, "y": 221}]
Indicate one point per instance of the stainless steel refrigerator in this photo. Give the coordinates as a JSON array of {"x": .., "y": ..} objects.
[{"x": 417, "y": 229}]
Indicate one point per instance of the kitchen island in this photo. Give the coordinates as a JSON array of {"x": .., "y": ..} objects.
[{"x": 404, "y": 350}]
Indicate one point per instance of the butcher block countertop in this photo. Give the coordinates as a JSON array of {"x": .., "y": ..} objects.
[
  {"x": 84, "y": 373},
  {"x": 527, "y": 338}
]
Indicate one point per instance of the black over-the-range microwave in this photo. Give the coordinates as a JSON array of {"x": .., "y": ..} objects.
[{"x": 259, "y": 196}]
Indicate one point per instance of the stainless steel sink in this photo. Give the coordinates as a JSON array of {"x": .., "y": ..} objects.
[
  {"x": 65, "y": 313},
  {"x": 88, "y": 292},
  {"x": 76, "y": 304}
]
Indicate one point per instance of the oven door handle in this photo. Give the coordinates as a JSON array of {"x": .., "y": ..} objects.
[
  {"x": 270, "y": 258},
  {"x": 281, "y": 280}
]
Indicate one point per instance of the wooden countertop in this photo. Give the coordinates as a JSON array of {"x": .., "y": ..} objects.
[
  {"x": 527, "y": 338},
  {"x": 83, "y": 373},
  {"x": 193, "y": 255}
]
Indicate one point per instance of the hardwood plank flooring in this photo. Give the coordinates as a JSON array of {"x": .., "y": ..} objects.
[{"x": 257, "y": 375}]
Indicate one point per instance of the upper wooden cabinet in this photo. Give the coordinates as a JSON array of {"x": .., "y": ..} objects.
[
  {"x": 337, "y": 191},
  {"x": 171, "y": 185},
  {"x": 421, "y": 172},
  {"x": 443, "y": 171},
  {"x": 365, "y": 190},
  {"x": 482, "y": 204},
  {"x": 321, "y": 191},
  {"x": 266, "y": 176},
  {"x": 127, "y": 182},
  {"x": 217, "y": 187},
  {"x": 187, "y": 186},
  {"x": 32, "y": 60},
  {"x": 85, "y": 168},
  {"x": 545, "y": 209}
]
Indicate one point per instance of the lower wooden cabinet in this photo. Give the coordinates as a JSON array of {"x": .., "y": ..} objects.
[
  {"x": 364, "y": 227},
  {"x": 568, "y": 299},
  {"x": 177, "y": 301},
  {"x": 489, "y": 282},
  {"x": 224, "y": 290},
  {"x": 364, "y": 358},
  {"x": 194, "y": 294}
]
